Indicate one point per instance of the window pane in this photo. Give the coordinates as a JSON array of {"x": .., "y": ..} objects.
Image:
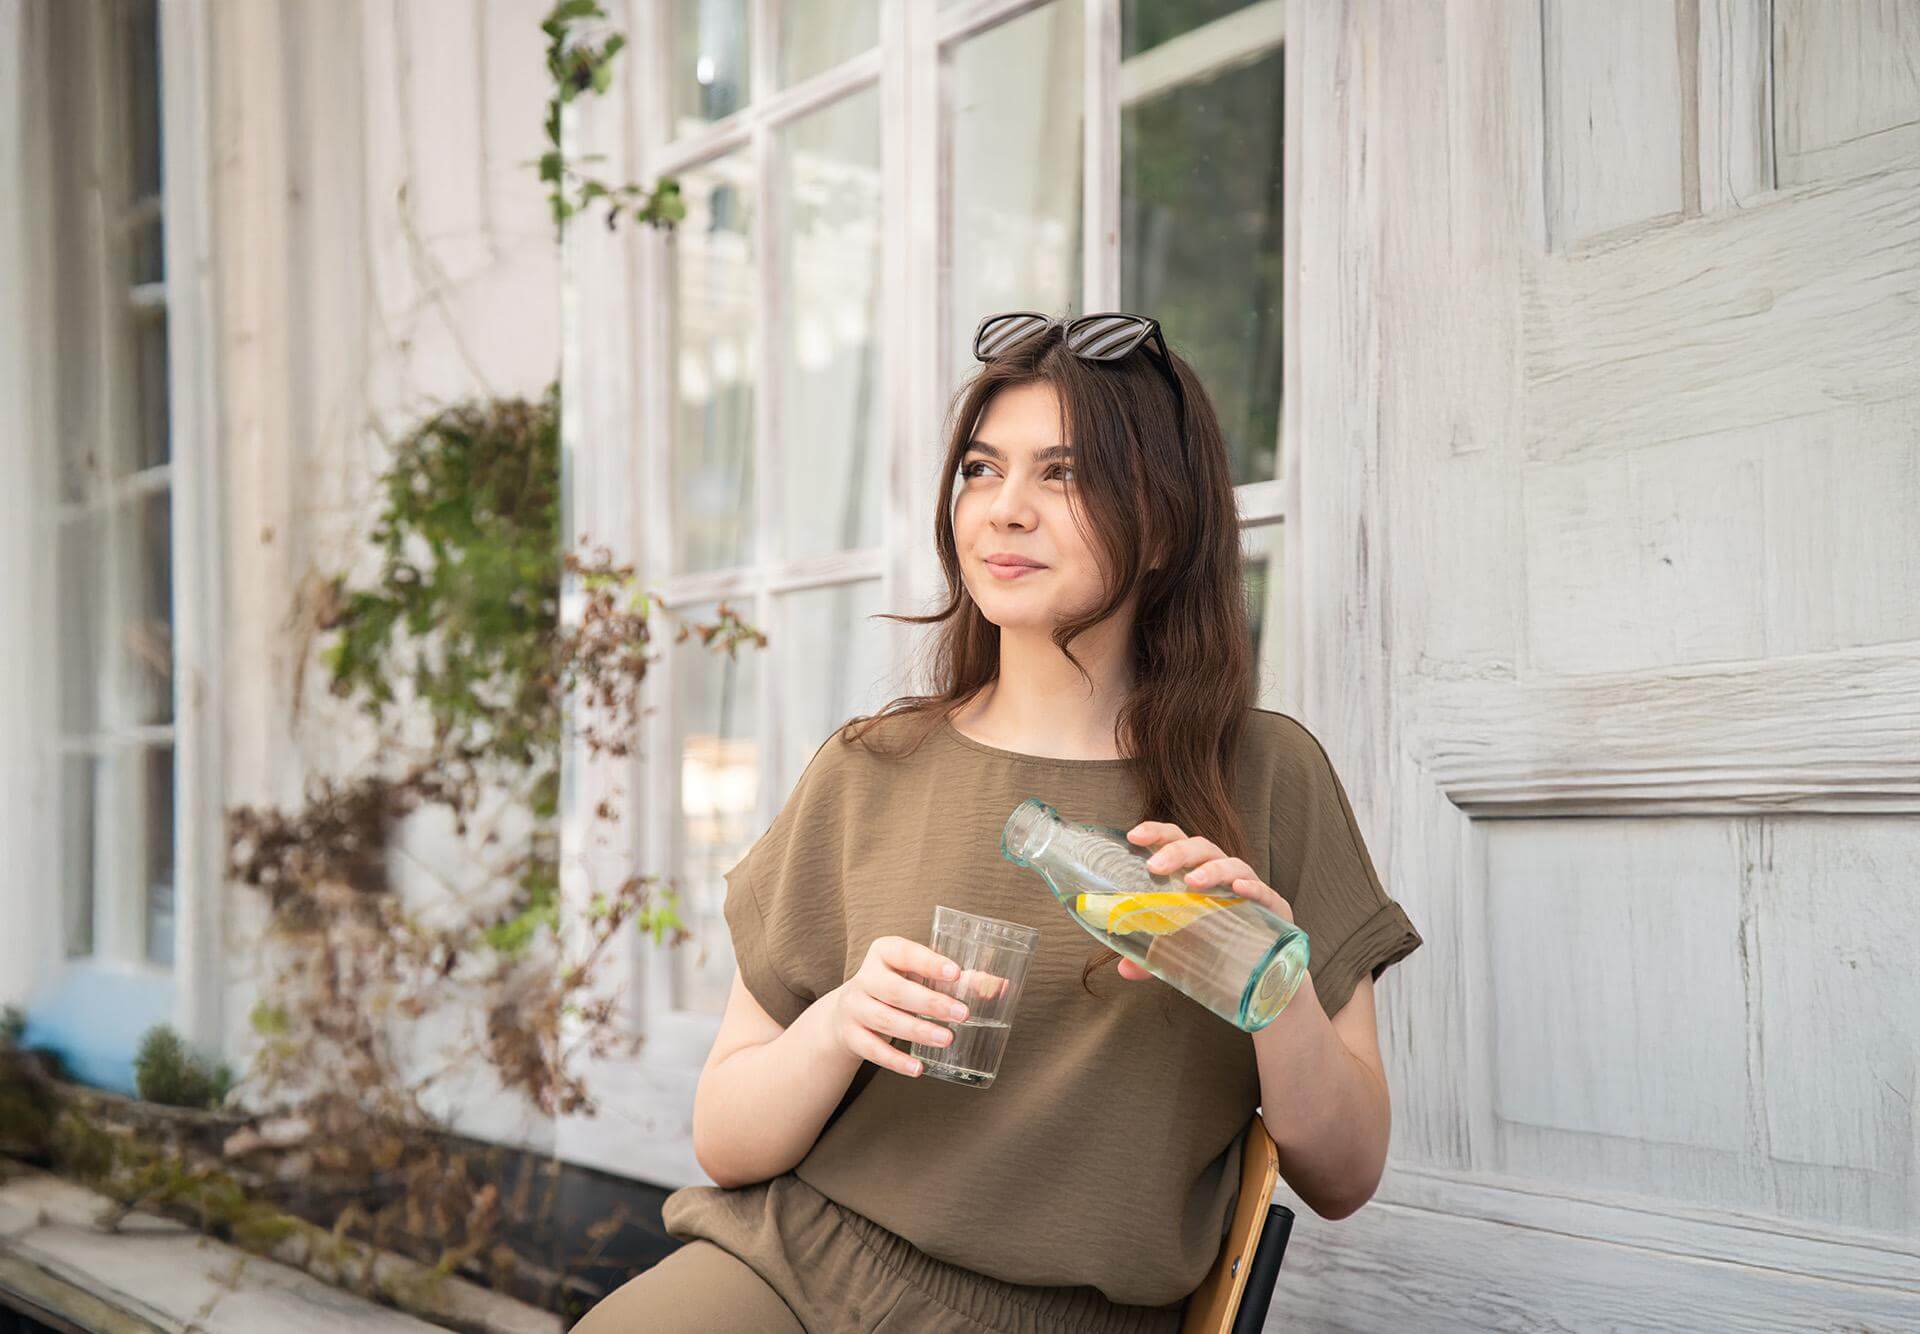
[
  {"x": 1016, "y": 116},
  {"x": 1261, "y": 552},
  {"x": 80, "y": 777},
  {"x": 152, "y": 443},
  {"x": 833, "y": 458},
  {"x": 708, "y": 73},
  {"x": 1200, "y": 210},
  {"x": 78, "y": 585},
  {"x": 148, "y": 241},
  {"x": 816, "y": 35},
  {"x": 142, "y": 38},
  {"x": 711, "y": 344},
  {"x": 836, "y": 665},
  {"x": 716, "y": 720},
  {"x": 159, "y": 859},
  {"x": 1144, "y": 24},
  {"x": 148, "y": 626}
]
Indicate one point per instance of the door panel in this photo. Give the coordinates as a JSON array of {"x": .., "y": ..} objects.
[{"x": 1604, "y": 438}]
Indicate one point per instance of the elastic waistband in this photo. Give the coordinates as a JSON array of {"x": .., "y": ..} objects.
[{"x": 1013, "y": 1307}]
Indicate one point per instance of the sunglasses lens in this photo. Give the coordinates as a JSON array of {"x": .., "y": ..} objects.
[
  {"x": 997, "y": 333},
  {"x": 1106, "y": 337}
]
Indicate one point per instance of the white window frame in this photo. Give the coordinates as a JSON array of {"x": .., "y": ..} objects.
[{"x": 618, "y": 415}]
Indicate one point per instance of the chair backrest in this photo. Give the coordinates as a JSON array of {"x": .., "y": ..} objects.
[{"x": 1233, "y": 1297}]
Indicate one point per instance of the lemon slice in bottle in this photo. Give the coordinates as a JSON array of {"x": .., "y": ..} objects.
[{"x": 1155, "y": 913}]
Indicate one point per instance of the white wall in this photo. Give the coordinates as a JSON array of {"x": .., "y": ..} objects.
[{"x": 384, "y": 249}]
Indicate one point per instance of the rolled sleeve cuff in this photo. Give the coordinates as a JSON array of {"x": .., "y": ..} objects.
[
  {"x": 753, "y": 954},
  {"x": 1384, "y": 938}
]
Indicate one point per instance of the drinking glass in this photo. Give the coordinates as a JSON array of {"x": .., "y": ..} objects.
[{"x": 993, "y": 957}]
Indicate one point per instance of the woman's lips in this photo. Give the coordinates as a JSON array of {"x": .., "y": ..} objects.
[{"x": 1013, "y": 571}]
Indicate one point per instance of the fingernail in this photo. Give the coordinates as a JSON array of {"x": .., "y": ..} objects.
[
  {"x": 959, "y": 1012},
  {"x": 1193, "y": 876},
  {"x": 950, "y": 970}
]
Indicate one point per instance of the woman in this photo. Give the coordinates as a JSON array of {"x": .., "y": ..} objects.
[{"x": 1094, "y": 652}]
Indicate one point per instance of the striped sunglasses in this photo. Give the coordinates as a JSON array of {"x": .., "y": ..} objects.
[{"x": 1106, "y": 336}]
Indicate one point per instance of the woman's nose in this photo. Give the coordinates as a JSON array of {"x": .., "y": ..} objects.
[{"x": 1012, "y": 503}]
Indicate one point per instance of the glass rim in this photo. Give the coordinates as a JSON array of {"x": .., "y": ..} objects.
[{"x": 1014, "y": 935}]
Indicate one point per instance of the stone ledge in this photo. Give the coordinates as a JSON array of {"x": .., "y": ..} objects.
[{"x": 157, "y": 1276}]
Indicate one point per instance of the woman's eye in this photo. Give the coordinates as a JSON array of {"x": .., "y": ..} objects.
[{"x": 968, "y": 469}]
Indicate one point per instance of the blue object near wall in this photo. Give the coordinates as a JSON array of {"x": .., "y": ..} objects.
[{"x": 93, "y": 1019}]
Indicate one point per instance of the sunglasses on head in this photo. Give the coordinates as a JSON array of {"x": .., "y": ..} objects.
[{"x": 1106, "y": 336}]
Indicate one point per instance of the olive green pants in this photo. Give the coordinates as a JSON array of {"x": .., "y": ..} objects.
[
  {"x": 778, "y": 1257},
  {"x": 699, "y": 1287}
]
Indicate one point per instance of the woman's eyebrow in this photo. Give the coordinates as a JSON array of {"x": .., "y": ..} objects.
[{"x": 1040, "y": 456}]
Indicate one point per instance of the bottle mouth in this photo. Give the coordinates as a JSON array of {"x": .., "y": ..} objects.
[{"x": 1028, "y": 831}]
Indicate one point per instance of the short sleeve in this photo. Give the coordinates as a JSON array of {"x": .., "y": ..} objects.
[
  {"x": 783, "y": 904},
  {"x": 1323, "y": 870}
]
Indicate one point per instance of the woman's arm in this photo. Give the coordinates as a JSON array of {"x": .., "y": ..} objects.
[
  {"x": 1323, "y": 1086},
  {"x": 1323, "y": 1101},
  {"x": 766, "y": 1091}
]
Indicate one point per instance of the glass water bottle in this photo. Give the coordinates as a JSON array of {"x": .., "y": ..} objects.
[{"x": 1231, "y": 954}]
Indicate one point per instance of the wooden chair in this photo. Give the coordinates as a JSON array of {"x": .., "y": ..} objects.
[{"x": 1233, "y": 1297}]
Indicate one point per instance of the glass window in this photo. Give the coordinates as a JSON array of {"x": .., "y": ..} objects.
[
  {"x": 79, "y": 587},
  {"x": 715, "y": 316},
  {"x": 80, "y": 777},
  {"x": 158, "y": 915},
  {"x": 1260, "y": 551},
  {"x": 148, "y": 626},
  {"x": 151, "y": 436},
  {"x": 1015, "y": 179},
  {"x": 707, "y": 43},
  {"x": 1145, "y": 24},
  {"x": 840, "y": 653},
  {"x": 716, "y": 721},
  {"x": 816, "y": 35},
  {"x": 1200, "y": 210},
  {"x": 832, "y": 442}
]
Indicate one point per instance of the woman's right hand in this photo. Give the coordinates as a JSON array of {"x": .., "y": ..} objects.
[{"x": 882, "y": 1001}]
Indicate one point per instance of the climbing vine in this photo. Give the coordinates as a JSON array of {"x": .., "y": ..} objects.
[{"x": 580, "y": 60}]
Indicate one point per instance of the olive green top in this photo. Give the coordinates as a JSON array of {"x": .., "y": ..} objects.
[{"x": 1106, "y": 1151}]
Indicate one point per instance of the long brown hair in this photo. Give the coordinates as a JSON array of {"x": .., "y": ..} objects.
[{"x": 1144, "y": 505}]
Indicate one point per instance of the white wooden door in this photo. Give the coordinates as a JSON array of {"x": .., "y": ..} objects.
[{"x": 1608, "y": 319}]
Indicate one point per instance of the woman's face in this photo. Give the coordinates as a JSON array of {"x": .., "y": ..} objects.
[{"x": 1011, "y": 499}]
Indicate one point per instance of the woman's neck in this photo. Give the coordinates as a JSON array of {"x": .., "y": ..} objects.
[{"x": 1041, "y": 705}]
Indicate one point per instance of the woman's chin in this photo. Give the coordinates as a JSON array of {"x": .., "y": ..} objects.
[{"x": 1038, "y": 621}]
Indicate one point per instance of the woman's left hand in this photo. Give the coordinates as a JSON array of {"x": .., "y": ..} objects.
[{"x": 1206, "y": 866}]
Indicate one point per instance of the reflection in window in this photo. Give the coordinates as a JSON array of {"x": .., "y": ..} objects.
[
  {"x": 816, "y": 35},
  {"x": 707, "y": 79},
  {"x": 711, "y": 346},
  {"x": 1260, "y": 548},
  {"x": 1200, "y": 208},
  {"x": 159, "y": 839},
  {"x": 831, "y": 631},
  {"x": 80, "y": 777},
  {"x": 716, "y": 720},
  {"x": 1016, "y": 182},
  {"x": 1145, "y": 24},
  {"x": 833, "y": 432}
]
